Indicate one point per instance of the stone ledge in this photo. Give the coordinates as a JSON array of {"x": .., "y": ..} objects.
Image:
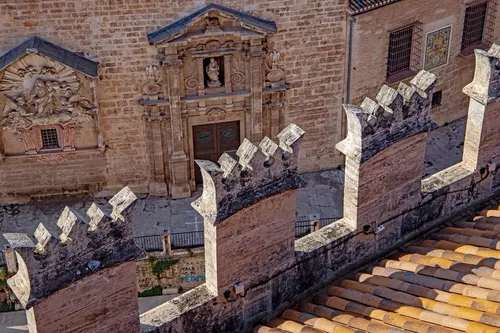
[{"x": 445, "y": 178}]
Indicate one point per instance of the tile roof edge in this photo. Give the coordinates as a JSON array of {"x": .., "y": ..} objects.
[{"x": 45, "y": 48}]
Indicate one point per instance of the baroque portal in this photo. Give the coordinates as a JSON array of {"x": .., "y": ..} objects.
[{"x": 219, "y": 82}]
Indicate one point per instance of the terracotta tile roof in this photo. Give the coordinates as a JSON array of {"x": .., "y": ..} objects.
[
  {"x": 447, "y": 283},
  {"x": 362, "y": 6}
]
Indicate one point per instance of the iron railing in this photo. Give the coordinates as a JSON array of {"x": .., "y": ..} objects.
[
  {"x": 181, "y": 240},
  {"x": 150, "y": 243}
]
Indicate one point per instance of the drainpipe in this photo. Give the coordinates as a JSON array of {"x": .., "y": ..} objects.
[{"x": 349, "y": 62}]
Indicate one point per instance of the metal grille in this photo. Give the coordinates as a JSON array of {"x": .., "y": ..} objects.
[
  {"x": 399, "y": 57},
  {"x": 491, "y": 16},
  {"x": 50, "y": 139},
  {"x": 187, "y": 239},
  {"x": 150, "y": 243},
  {"x": 474, "y": 25}
]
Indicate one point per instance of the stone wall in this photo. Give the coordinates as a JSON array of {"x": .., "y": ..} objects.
[
  {"x": 378, "y": 133},
  {"x": 370, "y": 46},
  {"x": 310, "y": 39},
  {"x": 187, "y": 271}
]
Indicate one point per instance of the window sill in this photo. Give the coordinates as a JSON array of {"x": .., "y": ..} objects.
[
  {"x": 469, "y": 50},
  {"x": 390, "y": 80},
  {"x": 59, "y": 151}
]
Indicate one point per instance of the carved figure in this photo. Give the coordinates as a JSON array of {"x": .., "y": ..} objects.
[
  {"x": 151, "y": 86},
  {"x": 212, "y": 24},
  {"x": 275, "y": 75},
  {"x": 212, "y": 70}
]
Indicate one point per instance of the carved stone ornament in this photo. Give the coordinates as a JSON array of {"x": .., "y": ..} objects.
[
  {"x": 52, "y": 158},
  {"x": 212, "y": 24},
  {"x": 191, "y": 82},
  {"x": 214, "y": 45},
  {"x": 275, "y": 75},
  {"x": 216, "y": 114},
  {"x": 151, "y": 86},
  {"x": 213, "y": 72},
  {"x": 38, "y": 91}
]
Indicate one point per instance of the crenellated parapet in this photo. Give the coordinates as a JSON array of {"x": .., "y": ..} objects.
[
  {"x": 256, "y": 172},
  {"x": 395, "y": 115},
  {"x": 485, "y": 87},
  {"x": 85, "y": 244}
]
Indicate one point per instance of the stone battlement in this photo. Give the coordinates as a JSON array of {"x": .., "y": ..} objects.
[
  {"x": 485, "y": 88},
  {"x": 395, "y": 115},
  {"x": 260, "y": 172},
  {"x": 87, "y": 243}
]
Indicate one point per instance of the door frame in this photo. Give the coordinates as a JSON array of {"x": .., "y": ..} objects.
[{"x": 203, "y": 120}]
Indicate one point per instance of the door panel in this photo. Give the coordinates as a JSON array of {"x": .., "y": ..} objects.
[{"x": 211, "y": 140}]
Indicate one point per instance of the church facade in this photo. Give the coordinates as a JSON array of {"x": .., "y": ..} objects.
[{"x": 98, "y": 95}]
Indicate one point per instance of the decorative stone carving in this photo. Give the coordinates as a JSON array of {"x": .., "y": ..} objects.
[
  {"x": 275, "y": 75},
  {"x": 212, "y": 25},
  {"x": 213, "y": 73},
  {"x": 191, "y": 82},
  {"x": 39, "y": 91},
  {"x": 52, "y": 158},
  {"x": 216, "y": 114},
  {"x": 151, "y": 86},
  {"x": 237, "y": 78}
]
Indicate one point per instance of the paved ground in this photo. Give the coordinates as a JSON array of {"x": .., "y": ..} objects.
[
  {"x": 322, "y": 198},
  {"x": 15, "y": 322}
]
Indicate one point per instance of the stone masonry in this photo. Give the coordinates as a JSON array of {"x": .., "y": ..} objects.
[
  {"x": 384, "y": 209},
  {"x": 114, "y": 34},
  {"x": 83, "y": 279}
]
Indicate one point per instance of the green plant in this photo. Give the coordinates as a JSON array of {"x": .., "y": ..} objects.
[
  {"x": 190, "y": 251},
  {"x": 158, "y": 266},
  {"x": 155, "y": 291}
]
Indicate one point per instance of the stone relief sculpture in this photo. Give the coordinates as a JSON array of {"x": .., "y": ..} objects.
[
  {"x": 275, "y": 75},
  {"x": 39, "y": 91},
  {"x": 151, "y": 86},
  {"x": 213, "y": 73},
  {"x": 216, "y": 114}
]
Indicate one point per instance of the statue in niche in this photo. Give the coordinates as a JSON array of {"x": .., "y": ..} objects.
[{"x": 213, "y": 72}]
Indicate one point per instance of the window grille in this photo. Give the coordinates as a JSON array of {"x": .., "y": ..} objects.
[
  {"x": 436, "y": 99},
  {"x": 405, "y": 48},
  {"x": 474, "y": 25},
  {"x": 489, "y": 25},
  {"x": 50, "y": 140}
]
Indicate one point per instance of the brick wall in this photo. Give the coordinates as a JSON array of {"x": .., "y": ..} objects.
[
  {"x": 370, "y": 47},
  {"x": 310, "y": 37}
]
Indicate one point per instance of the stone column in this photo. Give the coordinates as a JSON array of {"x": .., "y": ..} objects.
[
  {"x": 256, "y": 54},
  {"x": 483, "y": 120},
  {"x": 385, "y": 149},
  {"x": 178, "y": 159},
  {"x": 84, "y": 279},
  {"x": 249, "y": 212}
]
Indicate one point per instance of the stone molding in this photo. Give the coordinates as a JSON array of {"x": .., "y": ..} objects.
[
  {"x": 260, "y": 172},
  {"x": 86, "y": 243},
  {"x": 395, "y": 115}
]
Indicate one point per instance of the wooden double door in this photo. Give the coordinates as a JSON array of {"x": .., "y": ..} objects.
[{"x": 211, "y": 140}]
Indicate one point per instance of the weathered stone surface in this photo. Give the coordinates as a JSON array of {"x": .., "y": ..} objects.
[
  {"x": 261, "y": 172},
  {"x": 86, "y": 244},
  {"x": 398, "y": 115}
]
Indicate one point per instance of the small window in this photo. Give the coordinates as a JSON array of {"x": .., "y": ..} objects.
[
  {"x": 474, "y": 24},
  {"x": 399, "y": 51},
  {"x": 405, "y": 47},
  {"x": 436, "y": 98},
  {"x": 50, "y": 140}
]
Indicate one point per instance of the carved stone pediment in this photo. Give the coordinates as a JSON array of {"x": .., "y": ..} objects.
[
  {"x": 213, "y": 20},
  {"x": 36, "y": 90}
]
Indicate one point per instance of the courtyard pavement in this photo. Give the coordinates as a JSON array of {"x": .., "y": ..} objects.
[{"x": 321, "y": 198}]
